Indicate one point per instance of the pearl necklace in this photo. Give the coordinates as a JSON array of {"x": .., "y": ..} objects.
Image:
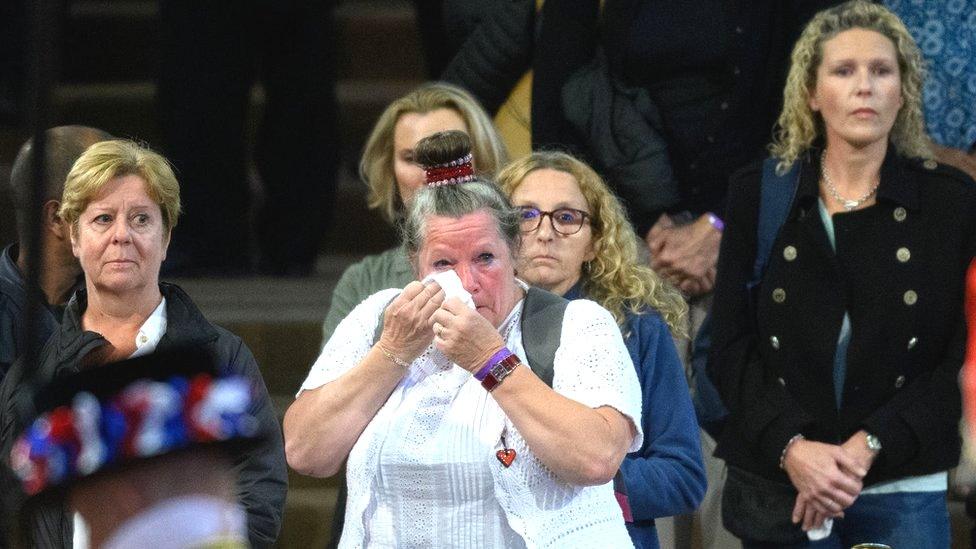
[{"x": 849, "y": 204}]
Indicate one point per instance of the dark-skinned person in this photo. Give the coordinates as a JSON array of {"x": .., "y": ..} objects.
[{"x": 58, "y": 269}]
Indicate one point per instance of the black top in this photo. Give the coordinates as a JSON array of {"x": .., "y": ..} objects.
[
  {"x": 898, "y": 272},
  {"x": 262, "y": 474},
  {"x": 715, "y": 70}
]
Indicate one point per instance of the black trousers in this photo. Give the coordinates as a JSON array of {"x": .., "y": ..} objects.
[{"x": 211, "y": 53}]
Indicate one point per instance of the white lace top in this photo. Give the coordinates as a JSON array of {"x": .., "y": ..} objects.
[{"x": 424, "y": 471}]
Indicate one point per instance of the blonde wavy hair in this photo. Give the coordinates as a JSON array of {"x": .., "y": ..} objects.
[
  {"x": 107, "y": 160},
  {"x": 798, "y": 126},
  {"x": 376, "y": 165},
  {"x": 615, "y": 278}
]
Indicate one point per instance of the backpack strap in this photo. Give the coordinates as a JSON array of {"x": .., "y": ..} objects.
[
  {"x": 776, "y": 195},
  {"x": 542, "y": 324}
]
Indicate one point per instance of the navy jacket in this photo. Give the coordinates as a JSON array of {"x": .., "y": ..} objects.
[
  {"x": 262, "y": 475},
  {"x": 13, "y": 302},
  {"x": 666, "y": 476},
  {"x": 898, "y": 272}
]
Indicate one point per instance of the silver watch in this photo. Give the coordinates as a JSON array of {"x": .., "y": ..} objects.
[{"x": 873, "y": 443}]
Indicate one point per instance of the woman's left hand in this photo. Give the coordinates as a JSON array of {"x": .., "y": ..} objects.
[
  {"x": 463, "y": 335},
  {"x": 857, "y": 448}
]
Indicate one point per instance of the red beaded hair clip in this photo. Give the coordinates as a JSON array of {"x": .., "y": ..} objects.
[{"x": 452, "y": 173}]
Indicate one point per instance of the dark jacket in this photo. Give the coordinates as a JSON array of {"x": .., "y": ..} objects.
[
  {"x": 898, "y": 273},
  {"x": 262, "y": 474},
  {"x": 13, "y": 302},
  {"x": 662, "y": 146}
]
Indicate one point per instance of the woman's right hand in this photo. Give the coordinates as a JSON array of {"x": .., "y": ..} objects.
[
  {"x": 827, "y": 478},
  {"x": 406, "y": 326}
]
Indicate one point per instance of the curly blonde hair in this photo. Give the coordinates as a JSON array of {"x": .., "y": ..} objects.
[
  {"x": 615, "y": 278},
  {"x": 798, "y": 127},
  {"x": 376, "y": 165}
]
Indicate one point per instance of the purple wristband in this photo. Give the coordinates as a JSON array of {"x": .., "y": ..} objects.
[
  {"x": 716, "y": 221},
  {"x": 495, "y": 359}
]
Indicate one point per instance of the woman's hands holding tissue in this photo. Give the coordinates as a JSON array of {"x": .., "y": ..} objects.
[
  {"x": 406, "y": 322},
  {"x": 464, "y": 336}
]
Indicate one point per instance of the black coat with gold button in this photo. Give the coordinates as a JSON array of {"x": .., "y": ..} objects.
[{"x": 898, "y": 272}]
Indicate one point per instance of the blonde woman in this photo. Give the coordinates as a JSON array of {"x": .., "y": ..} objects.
[
  {"x": 577, "y": 242},
  {"x": 840, "y": 368},
  {"x": 393, "y": 176},
  {"x": 121, "y": 203}
]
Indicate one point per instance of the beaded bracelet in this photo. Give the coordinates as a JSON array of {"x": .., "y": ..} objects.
[
  {"x": 716, "y": 221},
  {"x": 501, "y": 355},
  {"x": 782, "y": 456},
  {"x": 393, "y": 358}
]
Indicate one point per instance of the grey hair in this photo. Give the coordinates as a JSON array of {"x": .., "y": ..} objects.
[{"x": 456, "y": 201}]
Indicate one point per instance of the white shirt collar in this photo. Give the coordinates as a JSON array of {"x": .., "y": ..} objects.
[{"x": 151, "y": 331}]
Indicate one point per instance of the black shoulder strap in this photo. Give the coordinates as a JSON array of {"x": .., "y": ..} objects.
[{"x": 542, "y": 324}]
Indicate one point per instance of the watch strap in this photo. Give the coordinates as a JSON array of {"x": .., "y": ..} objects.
[{"x": 500, "y": 371}]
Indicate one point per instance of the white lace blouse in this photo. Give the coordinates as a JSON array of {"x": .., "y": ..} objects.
[{"x": 424, "y": 471}]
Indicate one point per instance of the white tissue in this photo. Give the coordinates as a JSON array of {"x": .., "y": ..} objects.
[
  {"x": 822, "y": 531},
  {"x": 450, "y": 282}
]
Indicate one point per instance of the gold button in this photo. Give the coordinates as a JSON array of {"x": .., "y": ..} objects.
[
  {"x": 900, "y": 214},
  {"x": 789, "y": 253},
  {"x": 779, "y": 295},
  {"x": 910, "y": 297},
  {"x": 774, "y": 341},
  {"x": 930, "y": 164},
  {"x": 899, "y": 381},
  {"x": 143, "y": 338},
  {"x": 903, "y": 255},
  {"x": 912, "y": 343}
]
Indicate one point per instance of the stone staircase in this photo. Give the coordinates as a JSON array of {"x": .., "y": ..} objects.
[{"x": 109, "y": 52}]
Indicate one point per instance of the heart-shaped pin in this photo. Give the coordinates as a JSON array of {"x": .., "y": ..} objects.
[{"x": 506, "y": 456}]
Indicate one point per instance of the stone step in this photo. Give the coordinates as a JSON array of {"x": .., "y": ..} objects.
[{"x": 374, "y": 39}]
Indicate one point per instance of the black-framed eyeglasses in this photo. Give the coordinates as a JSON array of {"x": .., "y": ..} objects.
[{"x": 565, "y": 221}]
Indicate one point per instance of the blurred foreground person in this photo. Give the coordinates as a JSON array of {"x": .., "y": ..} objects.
[{"x": 143, "y": 450}]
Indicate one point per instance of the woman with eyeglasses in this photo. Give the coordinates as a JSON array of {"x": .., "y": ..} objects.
[{"x": 577, "y": 242}]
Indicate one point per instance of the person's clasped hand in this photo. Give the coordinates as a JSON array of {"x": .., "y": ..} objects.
[
  {"x": 406, "y": 321},
  {"x": 463, "y": 335},
  {"x": 686, "y": 255},
  {"x": 827, "y": 478}
]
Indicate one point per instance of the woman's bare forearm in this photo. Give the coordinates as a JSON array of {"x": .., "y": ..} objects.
[
  {"x": 581, "y": 445},
  {"x": 323, "y": 424}
]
